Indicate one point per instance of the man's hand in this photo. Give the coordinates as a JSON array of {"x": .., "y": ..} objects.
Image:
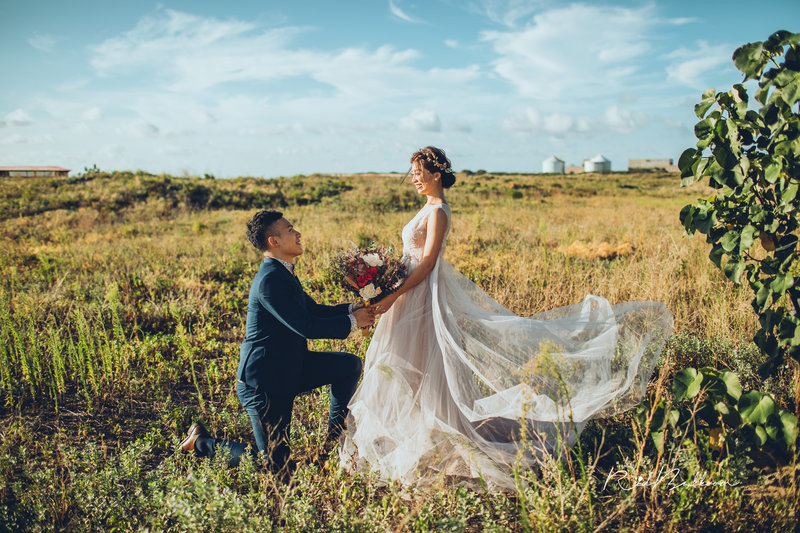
[{"x": 364, "y": 316}]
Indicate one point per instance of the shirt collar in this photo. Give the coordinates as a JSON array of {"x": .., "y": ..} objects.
[{"x": 287, "y": 264}]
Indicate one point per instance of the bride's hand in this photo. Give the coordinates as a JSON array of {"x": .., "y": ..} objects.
[{"x": 384, "y": 304}]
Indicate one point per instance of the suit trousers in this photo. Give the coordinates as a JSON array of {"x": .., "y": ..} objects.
[{"x": 271, "y": 414}]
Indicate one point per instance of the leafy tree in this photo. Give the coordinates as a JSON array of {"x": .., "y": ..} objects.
[{"x": 752, "y": 158}]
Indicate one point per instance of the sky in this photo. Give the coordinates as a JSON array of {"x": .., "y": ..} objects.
[{"x": 286, "y": 87}]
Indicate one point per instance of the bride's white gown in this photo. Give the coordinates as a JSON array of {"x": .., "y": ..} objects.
[{"x": 455, "y": 384}]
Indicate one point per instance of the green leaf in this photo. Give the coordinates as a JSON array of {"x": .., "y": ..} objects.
[
  {"x": 686, "y": 384},
  {"x": 716, "y": 254},
  {"x": 750, "y": 60},
  {"x": 791, "y": 93},
  {"x": 733, "y": 269},
  {"x": 732, "y": 386},
  {"x": 772, "y": 168},
  {"x": 755, "y": 407},
  {"x": 762, "y": 93},
  {"x": 673, "y": 417},
  {"x": 657, "y": 426},
  {"x": 747, "y": 238},
  {"x": 789, "y": 193},
  {"x": 688, "y": 165},
  {"x": 792, "y": 58},
  {"x": 763, "y": 298},
  {"x": 704, "y": 129},
  {"x": 658, "y": 440},
  {"x": 725, "y": 156},
  {"x": 779, "y": 39},
  {"x": 741, "y": 103},
  {"x": 687, "y": 218},
  {"x": 730, "y": 240},
  {"x": 705, "y": 103},
  {"x": 789, "y": 332},
  {"x": 781, "y": 283},
  {"x": 761, "y": 435},
  {"x": 789, "y": 422}
]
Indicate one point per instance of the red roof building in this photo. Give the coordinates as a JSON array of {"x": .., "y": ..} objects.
[{"x": 33, "y": 172}]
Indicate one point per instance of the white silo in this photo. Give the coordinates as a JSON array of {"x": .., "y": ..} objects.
[
  {"x": 553, "y": 164},
  {"x": 597, "y": 164}
]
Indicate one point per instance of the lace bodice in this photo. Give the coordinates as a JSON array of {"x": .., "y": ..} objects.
[{"x": 415, "y": 232}]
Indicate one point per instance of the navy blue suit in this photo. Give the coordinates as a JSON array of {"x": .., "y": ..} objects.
[{"x": 275, "y": 364}]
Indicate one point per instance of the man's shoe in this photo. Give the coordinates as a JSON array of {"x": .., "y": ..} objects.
[{"x": 197, "y": 430}]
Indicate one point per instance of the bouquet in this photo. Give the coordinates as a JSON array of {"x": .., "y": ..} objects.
[{"x": 371, "y": 272}]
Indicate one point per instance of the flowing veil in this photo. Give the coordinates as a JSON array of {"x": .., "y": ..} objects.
[{"x": 455, "y": 384}]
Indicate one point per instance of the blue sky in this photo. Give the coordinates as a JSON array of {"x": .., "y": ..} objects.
[{"x": 288, "y": 87}]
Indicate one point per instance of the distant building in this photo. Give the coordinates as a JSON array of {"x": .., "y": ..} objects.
[
  {"x": 597, "y": 164},
  {"x": 553, "y": 164},
  {"x": 652, "y": 164},
  {"x": 574, "y": 170},
  {"x": 33, "y": 172}
]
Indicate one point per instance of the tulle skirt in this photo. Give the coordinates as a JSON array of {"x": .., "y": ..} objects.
[{"x": 456, "y": 385}]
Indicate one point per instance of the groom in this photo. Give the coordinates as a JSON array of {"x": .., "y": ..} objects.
[{"x": 275, "y": 364}]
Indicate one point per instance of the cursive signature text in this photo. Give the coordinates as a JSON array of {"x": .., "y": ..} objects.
[{"x": 669, "y": 478}]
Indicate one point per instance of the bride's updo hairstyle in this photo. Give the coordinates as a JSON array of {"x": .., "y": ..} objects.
[{"x": 434, "y": 160}]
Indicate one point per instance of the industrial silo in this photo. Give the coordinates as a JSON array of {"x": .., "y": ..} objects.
[
  {"x": 597, "y": 164},
  {"x": 553, "y": 164}
]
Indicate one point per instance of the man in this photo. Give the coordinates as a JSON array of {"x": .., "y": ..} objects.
[{"x": 275, "y": 364}]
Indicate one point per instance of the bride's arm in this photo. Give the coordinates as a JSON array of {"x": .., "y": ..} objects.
[{"x": 437, "y": 226}]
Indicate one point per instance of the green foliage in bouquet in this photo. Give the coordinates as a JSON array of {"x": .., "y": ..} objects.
[{"x": 752, "y": 158}]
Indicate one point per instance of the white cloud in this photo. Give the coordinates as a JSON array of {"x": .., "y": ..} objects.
[
  {"x": 508, "y": 12},
  {"x": 399, "y": 13},
  {"x": 558, "y": 124},
  {"x": 422, "y": 120},
  {"x": 14, "y": 139},
  {"x": 680, "y": 21},
  {"x": 93, "y": 114},
  {"x": 2, "y": 123},
  {"x": 188, "y": 54},
  {"x": 461, "y": 126},
  {"x": 691, "y": 66},
  {"x": 140, "y": 128},
  {"x": 204, "y": 116},
  {"x": 19, "y": 117},
  {"x": 561, "y": 125},
  {"x": 34, "y": 139},
  {"x": 676, "y": 124},
  {"x": 623, "y": 121},
  {"x": 551, "y": 58},
  {"x": 44, "y": 43},
  {"x": 451, "y": 43}
]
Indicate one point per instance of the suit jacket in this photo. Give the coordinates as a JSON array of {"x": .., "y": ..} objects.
[{"x": 280, "y": 317}]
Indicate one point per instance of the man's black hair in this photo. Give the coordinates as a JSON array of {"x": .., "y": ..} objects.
[{"x": 261, "y": 227}]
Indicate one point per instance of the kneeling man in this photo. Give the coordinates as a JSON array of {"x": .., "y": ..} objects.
[{"x": 275, "y": 364}]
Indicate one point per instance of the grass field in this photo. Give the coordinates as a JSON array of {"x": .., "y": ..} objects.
[{"x": 122, "y": 303}]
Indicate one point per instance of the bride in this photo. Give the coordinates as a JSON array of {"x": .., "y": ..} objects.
[{"x": 457, "y": 385}]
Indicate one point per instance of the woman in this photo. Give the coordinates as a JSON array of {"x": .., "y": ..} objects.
[{"x": 456, "y": 385}]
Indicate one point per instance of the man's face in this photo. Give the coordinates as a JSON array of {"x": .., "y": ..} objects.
[{"x": 287, "y": 240}]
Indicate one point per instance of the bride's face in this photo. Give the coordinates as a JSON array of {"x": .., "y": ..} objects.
[{"x": 423, "y": 180}]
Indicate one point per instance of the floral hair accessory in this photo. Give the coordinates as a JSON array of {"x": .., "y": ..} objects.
[{"x": 431, "y": 158}]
